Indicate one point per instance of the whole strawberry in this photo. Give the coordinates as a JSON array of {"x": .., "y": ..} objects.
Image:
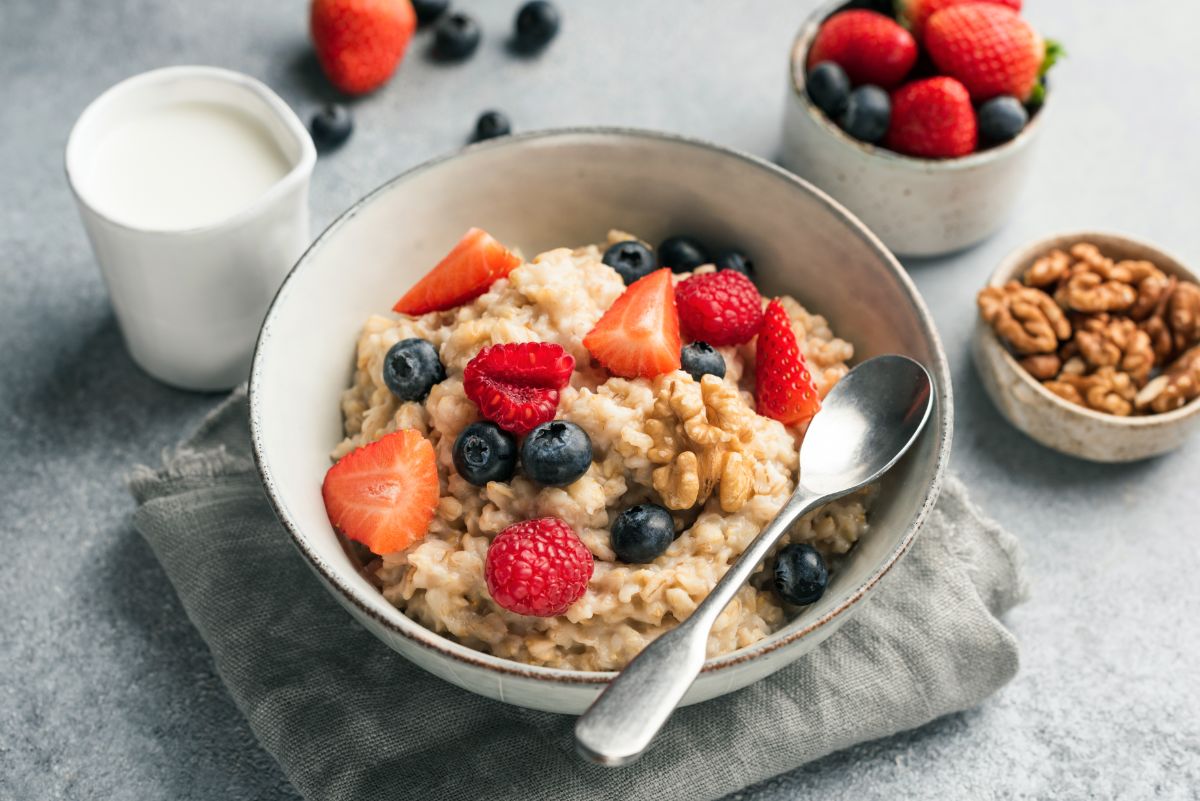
[
  {"x": 932, "y": 119},
  {"x": 917, "y": 12},
  {"x": 783, "y": 386},
  {"x": 360, "y": 42},
  {"x": 538, "y": 567},
  {"x": 870, "y": 47},
  {"x": 987, "y": 47}
]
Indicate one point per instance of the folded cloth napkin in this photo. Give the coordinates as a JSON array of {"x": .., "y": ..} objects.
[{"x": 349, "y": 719}]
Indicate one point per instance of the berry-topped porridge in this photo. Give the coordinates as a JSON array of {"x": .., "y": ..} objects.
[{"x": 555, "y": 460}]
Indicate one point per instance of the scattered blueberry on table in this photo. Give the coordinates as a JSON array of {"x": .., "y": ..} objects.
[
  {"x": 411, "y": 368},
  {"x": 867, "y": 115},
  {"x": 737, "y": 261},
  {"x": 492, "y": 124},
  {"x": 800, "y": 574},
  {"x": 700, "y": 359},
  {"x": 682, "y": 254},
  {"x": 1001, "y": 119},
  {"x": 556, "y": 453},
  {"x": 536, "y": 24},
  {"x": 429, "y": 10},
  {"x": 631, "y": 259},
  {"x": 331, "y": 126},
  {"x": 829, "y": 88},
  {"x": 485, "y": 452},
  {"x": 456, "y": 37},
  {"x": 642, "y": 533}
]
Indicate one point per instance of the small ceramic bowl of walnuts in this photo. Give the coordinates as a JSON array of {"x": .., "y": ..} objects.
[{"x": 1090, "y": 344}]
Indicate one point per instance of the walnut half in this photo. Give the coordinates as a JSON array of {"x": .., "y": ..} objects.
[{"x": 1025, "y": 318}]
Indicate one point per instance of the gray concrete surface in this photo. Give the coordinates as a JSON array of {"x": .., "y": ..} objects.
[{"x": 106, "y": 691}]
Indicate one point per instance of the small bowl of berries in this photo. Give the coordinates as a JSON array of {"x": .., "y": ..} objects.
[{"x": 919, "y": 117}]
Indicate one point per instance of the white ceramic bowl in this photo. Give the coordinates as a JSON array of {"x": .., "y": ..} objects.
[
  {"x": 1060, "y": 424},
  {"x": 918, "y": 207},
  {"x": 538, "y": 191}
]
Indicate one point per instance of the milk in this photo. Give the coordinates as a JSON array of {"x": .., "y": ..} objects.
[{"x": 183, "y": 165}]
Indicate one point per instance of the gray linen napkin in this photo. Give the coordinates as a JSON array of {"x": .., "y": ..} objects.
[{"x": 349, "y": 719}]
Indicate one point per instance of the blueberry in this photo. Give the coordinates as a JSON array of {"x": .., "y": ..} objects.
[
  {"x": 429, "y": 10},
  {"x": 736, "y": 261},
  {"x": 490, "y": 125},
  {"x": 484, "y": 452},
  {"x": 536, "y": 25},
  {"x": 411, "y": 368},
  {"x": 1001, "y": 119},
  {"x": 867, "y": 115},
  {"x": 556, "y": 453},
  {"x": 829, "y": 88},
  {"x": 682, "y": 254},
  {"x": 701, "y": 359},
  {"x": 456, "y": 37},
  {"x": 331, "y": 126},
  {"x": 800, "y": 574},
  {"x": 632, "y": 260},
  {"x": 641, "y": 533}
]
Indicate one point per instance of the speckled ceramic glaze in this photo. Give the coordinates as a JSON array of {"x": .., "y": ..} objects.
[
  {"x": 1057, "y": 423},
  {"x": 538, "y": 191},
  {"x": 918, "y": 207}
]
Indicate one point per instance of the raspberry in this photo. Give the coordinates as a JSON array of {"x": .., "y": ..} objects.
[
  {"x": 516, "y": 385},
  {"x": 721, "y": 308},
  {"x": 538, "y": 567}
]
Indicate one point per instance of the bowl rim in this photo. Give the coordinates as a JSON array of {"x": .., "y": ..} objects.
[
  {"x": 797, "y": 79},
  {"x": 1019, "y": 258},
  {"x": 442, "y": 646}
]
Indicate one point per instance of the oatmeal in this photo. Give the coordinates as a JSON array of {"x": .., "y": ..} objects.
[{"x": 697, "y": 448}]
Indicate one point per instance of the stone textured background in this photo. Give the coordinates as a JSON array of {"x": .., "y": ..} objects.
[{"x": 107, "y": 692}]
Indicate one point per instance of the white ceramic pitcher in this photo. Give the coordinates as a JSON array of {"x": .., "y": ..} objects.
[{"x": 190, "y": 300}]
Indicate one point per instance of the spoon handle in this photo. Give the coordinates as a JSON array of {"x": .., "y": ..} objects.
[{"x": 620, "y": 724}]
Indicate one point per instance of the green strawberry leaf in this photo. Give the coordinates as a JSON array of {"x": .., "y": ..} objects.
[{"x": 1054, "y": 52}]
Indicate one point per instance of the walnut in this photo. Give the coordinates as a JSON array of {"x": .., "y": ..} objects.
[
  {"x": 1106, "y": 342},
  {"x": 1025, "y": 318},
  {"x": 737, "y": 482},
  {"x": 698, "y": 430},
  {"x": 1178, "y": 386},
  {"x": 1151, "y": 285},
  {"x": 1042, "y": 366},
  {"x": 1156, "y": 326},
  {"x": 1065, "y": 389},
  {"x": 678, "y": 483},
  {"x": 1183, "y": 315},
  {"x": 1048, "y": 270},
  {"x": 1089, "y": 291}
]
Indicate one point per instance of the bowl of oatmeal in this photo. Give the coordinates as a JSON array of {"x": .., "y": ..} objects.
[{"x": 424, "y": 401}]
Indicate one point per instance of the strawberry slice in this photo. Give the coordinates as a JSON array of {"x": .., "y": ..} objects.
[
  {"x": 475, "y": 263},
  {"x": 639, "y": 334},
  {"x": 383, "y": 494},
  {"x": 783, "y": 385}
]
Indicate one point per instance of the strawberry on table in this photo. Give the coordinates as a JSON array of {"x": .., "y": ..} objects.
[
  {"x": 516, "y": 385},
  {"x": 917, "y": 12},
  {"x": 639, "y": 334},
  {"x": 360, "y": 42},
  {"x": 467, "y": 271},
  {"x": 870, "y": 47},
  {"x": 383, "y": 494},
  {"x": 932, "y": 119},
  {"x": 783, "y": 386},
  {"x": 988, "y": 47}
]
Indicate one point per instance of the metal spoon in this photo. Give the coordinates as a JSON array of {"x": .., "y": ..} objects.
[{"x": 866, "y": 424}]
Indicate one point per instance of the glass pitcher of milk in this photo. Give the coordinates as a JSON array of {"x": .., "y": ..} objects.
[{"x": 192, "y": 183}]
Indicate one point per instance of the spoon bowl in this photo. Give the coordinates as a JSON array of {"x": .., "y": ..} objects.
[{"x": 867, "y": 422}]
